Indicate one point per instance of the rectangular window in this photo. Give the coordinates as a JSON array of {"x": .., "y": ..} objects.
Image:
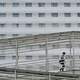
[
  {"x": 2, "y": 4},
  {"x": 41, "y": 4},
  {"x": 28, "y": 4},
  {"x": 15, "y": 34},
  {"x": 2, "y": 57},
  {"x": 78, "y": 14},
  {"x": 15, "y": 24},
  {"x": 42, "y": 24},
  {"x": 2, "y": 14},
  {"x": 67, "y": 14},
  {"x": 55, "y": 24},
  {"x": 2, "y": 35},
  {"x": 67, "y": 24},
  {"x": 28, "y": 24},
  {"x": 78, "y": 24},
  {"x": 54, "y": 14},
  {"x": 15, "y": 14},
  {"x": 78, "y": 4},
  {"x": 67, "y": 4},
  {"x": 15, "y": 4},
  {"x": 2, "y": 24},
  {"x": 41, "y": 14},
  {"x": 54, "y": 4},
  {"x": 28, "y": 14}
]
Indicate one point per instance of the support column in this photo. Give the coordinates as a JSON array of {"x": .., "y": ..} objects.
[{"x": 17, "y": 57}]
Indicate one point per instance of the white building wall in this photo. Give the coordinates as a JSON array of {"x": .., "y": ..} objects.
[{"x": 48, "y": 20}]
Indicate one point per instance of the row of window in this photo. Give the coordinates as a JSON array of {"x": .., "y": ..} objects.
[
  {"x": 54, "y": 14},
  {"x": 39, "y": 24},
  {"x": 41, "y": 57},
  {"x": 40, "y": 4},
  {"x": 14, "y": 35}
]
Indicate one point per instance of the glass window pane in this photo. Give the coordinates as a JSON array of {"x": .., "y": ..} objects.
[
  {"x": 41, "y": 14},
  {"x": 28, "y": 24},
  {"x": 15, "y": 4},
  {"x": 41, "y": 4},
  {"x": 78, "y": 14},
  {"x": 42, "y": 24},
  {"x": 15, "y": 14},
  {"x": 2, "y": 4},
  {"x": 28, "y": 14},
  {"x": 54, "y": 4},
  {"x": 2, "y": 14},
  {"x": 67, "y": 14},
  {"x": 67, "y": 24},
  {"x": 28, "y": 4},
  {"x": 67, "y": 4},
  {"x": 54, "y": 14},
  {"x": 55, "y": 24},
  {"x": 78, "y": 4}
]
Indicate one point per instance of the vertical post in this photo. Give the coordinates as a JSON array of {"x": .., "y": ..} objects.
[
  {"x": 46, "y": 51},
  {"x": 16, "y": 66},
  {"x": 73, "y": 60},
  {"x": 47, "y": 61},
  {"x": 70, "y": 54}
]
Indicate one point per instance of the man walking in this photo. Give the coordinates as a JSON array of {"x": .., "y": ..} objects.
[{"x": 62, "y": 61}]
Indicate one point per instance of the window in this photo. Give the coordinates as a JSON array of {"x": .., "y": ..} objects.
[
  {"x": 15, "y": 4},
  {"x": 54, "y": 14},
  {"x": 67, "y": 4},
  {"x": 41, "y": 14},
  {"x": 78, "y": 24},
  {"x": 29, "y": 57},
  {"x": 28, "y": 24},
  {"x": 2, "y": 57},
  {"x": 55, "y": 24},
  {"x": 78, "y": 14},
  {"x": 42, "y": 24},
  {"x": 2, "y": 4},
  {"x": 15, "y": 24},
  {"x": 15, "y": 14},
  {"x": 28, "y": 4},
  {"x": 67, "y": 14},
  {"x": 2, "y": 14},
  {"x": 41, "y": 4},
  {"x": 67, "y": 24},
  {"x": 15, "y": 34},
  {"x": 28, "y": 14},
  {"x": 78, "y": 4},
  {"x": 2, "y": 35},
  {"x": 2, "y": 24},
  {"x": 54, "y": 4}
]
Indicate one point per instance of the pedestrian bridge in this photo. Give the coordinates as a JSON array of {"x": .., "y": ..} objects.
[
  {"x": 22, "y": 74},
  {"x": 37, "y": 57}
]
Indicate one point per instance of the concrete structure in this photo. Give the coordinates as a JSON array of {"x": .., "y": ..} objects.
[
  {"x": 37, "y": 57},
  {"x": 41, "y": 52},
  {"x": 30, "y": 17}
]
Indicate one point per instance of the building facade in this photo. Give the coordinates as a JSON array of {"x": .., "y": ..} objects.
[{"x": 30, "y": 17}]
